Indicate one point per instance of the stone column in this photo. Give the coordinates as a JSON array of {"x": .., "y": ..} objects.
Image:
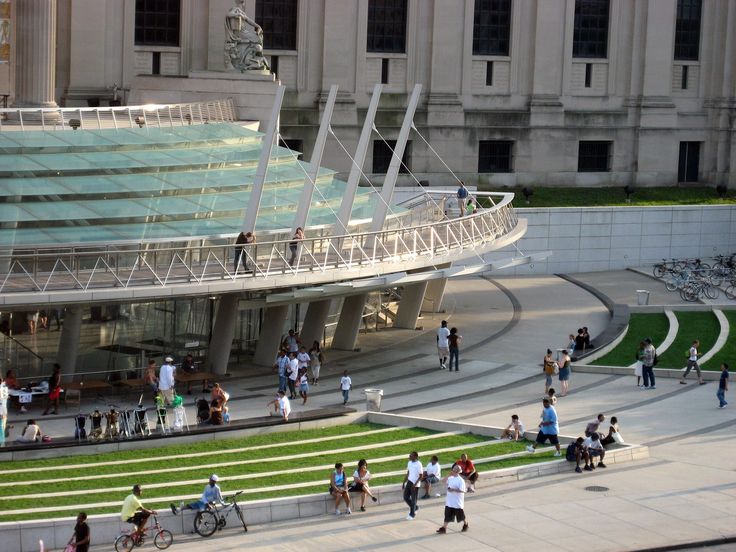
[
  {"x": 272, "y": 329},
  {"x": 223, "y": 332},
  {"x": 433, "y": 296},
  {"x": 348, "y": 325},
  {"x": 35, "y": 76},
  {"x": 410, "y": 305},
  {"x": 66, "y": 355},
  {"x": 314, "y": 322}
]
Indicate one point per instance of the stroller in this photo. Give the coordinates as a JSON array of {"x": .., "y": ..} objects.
[
  {"x": 140, "y": 419},
  {"x": 203, "y": 411},
  {"x": 180, "y": 415},
  {"x": 79, "y": 422},
  {"x": 162, "y": 418},
  {"x": 126, "y": 423},
  {"x": 96, "y": 432},
  {"x": 111, "y": 429}
]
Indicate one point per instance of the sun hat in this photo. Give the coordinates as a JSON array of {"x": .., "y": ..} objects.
[
  {"x": 169, "y": 359},
  {"x": 213, "y": 477}
]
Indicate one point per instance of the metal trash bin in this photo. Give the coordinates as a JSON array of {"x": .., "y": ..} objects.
[
  {"x": 642, "y": 297},
  {"x": 373, "y": 399}
]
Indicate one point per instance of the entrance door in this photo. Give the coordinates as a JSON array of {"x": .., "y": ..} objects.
[{"x": 689, "y": 164}]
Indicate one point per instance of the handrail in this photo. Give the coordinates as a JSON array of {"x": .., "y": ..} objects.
[
  {"x": 149, "y": 115},
  {"x": 22, "y": 346},
  {"x": 160, "y": 265}
]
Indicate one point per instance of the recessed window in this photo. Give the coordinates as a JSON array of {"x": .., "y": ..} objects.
[
  {"x": 683, "y": 80},
  {"x": 594, "y": 156},
  {"x": 687, "y": 30},
  {"x": 689, "y": 162},
  {"x": 278, "y": 18},
  {"x": 157, "y": 22},
  {"x": 588, "y": 75},
  {"x": 384, "y": 70},
  {"x": 297, "y": 147},
  {"x": 491, "y": 27},
  {"x": 383, "y": 152},
  {"x": 590, "y": 34},
  {"x": 495, "y": 156},
  {"x": 489, "y": 73},
  {"x": 387, "y": 26}
]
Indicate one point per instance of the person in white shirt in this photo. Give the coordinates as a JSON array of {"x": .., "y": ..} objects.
[
  {"x": 594, "y": 447},
  {"x": 455, "y": 501},
  {"x": 212, "y": 494},
  {"x": 431, "y": 476},
  {"x": 692, "y": 362},
  {"x": 166, "y": 380},
  {"x": 303, "y": 357},
  {"x": 281, "y": 406},
  {"x": 443, "y": 345},
  {"x": 293, "y": 374},
  {"x": 515, "y": 431},
  {"x": 346, "y": 384},
  {"x": 31, "y": 433},
  {"x": 361, "y": 477},
  {"x": 412, "y": 479},
  {"x": 4, "y": 395}
]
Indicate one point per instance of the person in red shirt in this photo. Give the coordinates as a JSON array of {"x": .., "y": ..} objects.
[{"x": 468, "y": 471}]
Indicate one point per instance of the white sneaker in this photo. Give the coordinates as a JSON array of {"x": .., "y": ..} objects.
[
  {"x": 530, "y": 448},
  {"x": 557, "y": 453},
  {"x": 348, "y": 511},
  {"x": 337, "y": 512},
  {"x": 409, "y": 518},
  {"x": 437, "y": 495},
  {"x": 443, "y": 366}
]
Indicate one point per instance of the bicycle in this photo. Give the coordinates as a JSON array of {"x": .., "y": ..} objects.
[
  {"x": 206, "y": 522},
  {"x": 162, "y": 538}
]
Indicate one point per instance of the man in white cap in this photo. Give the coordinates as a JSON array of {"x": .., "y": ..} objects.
[
  {"x": 211, "y": 495},
  {"x": 166, "y": 380},
  {"x": 455, "y": 501}
]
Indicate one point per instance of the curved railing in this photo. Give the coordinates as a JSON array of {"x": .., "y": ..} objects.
[
  {"x": 150, "y": 115},
  {"x": 41, "y": 271}
]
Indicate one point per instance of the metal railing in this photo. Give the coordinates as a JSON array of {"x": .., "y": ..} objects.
[
  {"x": 164, "y": 264},
  {"x": 151, "y": 116},
  {"x": 15, "y": 355}
]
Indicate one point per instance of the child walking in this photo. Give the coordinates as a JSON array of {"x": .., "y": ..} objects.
[{"x": 346, "y": 384}]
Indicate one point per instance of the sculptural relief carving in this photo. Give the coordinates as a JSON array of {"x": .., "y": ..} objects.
[{"x": 244, "y": 41}]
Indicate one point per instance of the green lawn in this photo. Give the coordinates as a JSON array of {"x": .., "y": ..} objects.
[
  {"x": 178, "y": 475},
  {"x": 641, "y": 326},
  {"x": 600, "y": 197},
  {"x": 728, "y": 351},
  {"x": 703, "y": 326}
]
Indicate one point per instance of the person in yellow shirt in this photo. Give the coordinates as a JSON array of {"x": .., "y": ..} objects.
[{"x": 134, "y": 512}]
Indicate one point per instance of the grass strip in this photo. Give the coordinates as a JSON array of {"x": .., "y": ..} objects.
[
  {"x": 317, "y": 488},
  {"x": 213, "y": 447},
  {"x": 202, "y": 473},
  {"x": 703, "y": 326},
  {"x": 572, "y": 196},
  {"x": 728, "y": 351},
  {"x": 641, "y": 326},
  {"x": 212, "y": 460}
]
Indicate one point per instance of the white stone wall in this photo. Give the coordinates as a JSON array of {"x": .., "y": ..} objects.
[{"x": 610, "y": 238}]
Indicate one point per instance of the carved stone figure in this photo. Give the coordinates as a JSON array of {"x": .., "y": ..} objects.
[{"x": 244, "y": 41}]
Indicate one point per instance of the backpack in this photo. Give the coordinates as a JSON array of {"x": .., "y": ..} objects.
[{"x": 570, "y": 452}]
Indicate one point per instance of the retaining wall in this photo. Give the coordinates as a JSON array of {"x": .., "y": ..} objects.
[
  {"x": 588, "y": 239},
  {"x": 25, "y": 536}
]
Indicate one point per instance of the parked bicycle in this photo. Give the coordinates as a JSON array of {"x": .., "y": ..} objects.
[
  {"x": 162, "y": 538},
  {"x": 214, "y": 518}
]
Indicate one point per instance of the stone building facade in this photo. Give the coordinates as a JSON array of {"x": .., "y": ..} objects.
[{"x": 515, "y": 92}]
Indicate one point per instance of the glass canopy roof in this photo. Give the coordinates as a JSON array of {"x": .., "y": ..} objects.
[{"x": 102, "y": 186}]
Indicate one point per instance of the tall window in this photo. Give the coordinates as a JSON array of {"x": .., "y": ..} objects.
[
  {"x": 278, "y": 20},
  {"x": 387, "y": 26},
  {"x": 689, "y": 162},
  {"x": 494, "y": 156},
  {"x": 687, "y": 30},
  {"x": 157, "y": 22},
  {"x": 594, "y": 156},
  {"x": 491, "y": 27},
  {"x": 383, "y": 152},
  {"x": 590, "y": 35}
]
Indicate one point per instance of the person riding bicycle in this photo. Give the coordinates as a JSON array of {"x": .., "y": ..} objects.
[
  {"x": 211, "y": 494},
  {"x": 134, "y": 512}
]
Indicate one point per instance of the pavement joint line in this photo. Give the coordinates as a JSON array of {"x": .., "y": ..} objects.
[
  {"x": 229, "y": 478},
  {"x": 239, "y": 462},
  {"x": 707, "y": 543},
  {"x": 306, "y": 484},
  {"x": 481, "y": 393},
  {"x": 694, "y": 433},
  {"x": 575, "y": 390},
  {"x": 632, "y": 406},
  {"x": 205, "y": 453}
]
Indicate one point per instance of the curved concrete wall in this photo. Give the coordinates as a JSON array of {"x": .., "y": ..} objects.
[{"x": 588, "y": 239}]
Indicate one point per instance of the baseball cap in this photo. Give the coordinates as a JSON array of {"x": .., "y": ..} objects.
[
  {"x": 213, "y": 477},
  {"x": 169, "y": 359}
]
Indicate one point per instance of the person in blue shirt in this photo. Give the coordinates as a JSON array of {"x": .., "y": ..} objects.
[
  {"x": 282, "y": 362},
  {"x": 339, "y": 488},
  {"x": 548, "y": 428},
  {"x": 211, "y": 495},
  {"x": 462, "y": 198},
  {"x": 723, "y": 386}
]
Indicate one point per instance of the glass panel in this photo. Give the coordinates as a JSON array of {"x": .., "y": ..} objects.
[{"x": 31, "y": 186}]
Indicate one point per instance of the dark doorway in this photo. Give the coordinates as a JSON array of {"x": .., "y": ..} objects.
[{"x": 689, "y": 165}]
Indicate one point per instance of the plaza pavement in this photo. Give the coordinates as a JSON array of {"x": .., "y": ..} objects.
[{"x": 684, "y": 493}]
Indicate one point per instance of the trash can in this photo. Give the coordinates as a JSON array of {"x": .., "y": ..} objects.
[
  {"x": 373, "y": 399},
  {"x": 642, "y": 297}
]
